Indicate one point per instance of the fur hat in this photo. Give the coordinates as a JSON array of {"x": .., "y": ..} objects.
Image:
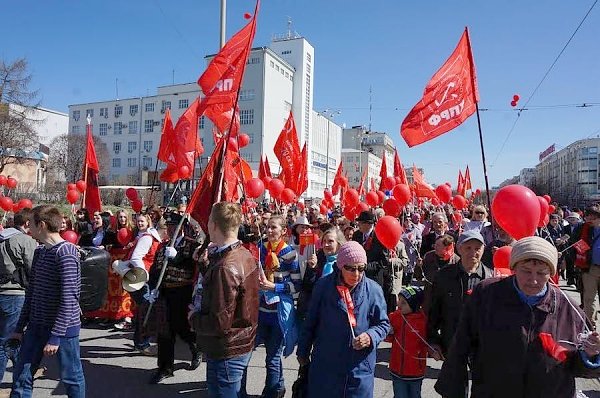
[
  {"x": 350, "y": 253},
  {"x": 534, "y": 247}
]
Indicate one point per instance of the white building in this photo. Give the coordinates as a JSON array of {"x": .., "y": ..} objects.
[
  {"x": 277, "y": 79},
  {"x": 355, "y": 162}
]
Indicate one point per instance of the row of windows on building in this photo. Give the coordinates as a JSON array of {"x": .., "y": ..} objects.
[
  {"x": 133, "y": 109},
  {"x": 132, "y": 146},
  {"x": 281, "y": 70},
  {"x": 132, "y": 162}
]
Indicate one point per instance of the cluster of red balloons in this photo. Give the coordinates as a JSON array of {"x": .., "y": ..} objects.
[
  {"x": 134, "y": 199},
  {"x": 515, "y": 100},
  {"x": 9, "y": 182},
  {"x": 74, "y": 191}
]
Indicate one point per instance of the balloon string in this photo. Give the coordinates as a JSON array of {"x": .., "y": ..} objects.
[{"x": 587, "y": 329}]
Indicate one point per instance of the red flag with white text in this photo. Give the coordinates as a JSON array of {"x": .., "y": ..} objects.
[{"x": 449, "y": 98}]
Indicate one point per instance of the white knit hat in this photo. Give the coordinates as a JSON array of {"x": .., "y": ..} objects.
[{"x": 534, "y": 247}]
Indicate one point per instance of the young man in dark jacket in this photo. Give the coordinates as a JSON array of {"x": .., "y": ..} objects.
[{"x": 227, "y": 322}]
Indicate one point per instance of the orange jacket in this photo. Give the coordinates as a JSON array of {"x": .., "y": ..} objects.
[{"x": 408, "y": 355}]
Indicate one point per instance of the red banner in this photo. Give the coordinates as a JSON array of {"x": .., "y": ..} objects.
[{"x": 287, "y": 150}]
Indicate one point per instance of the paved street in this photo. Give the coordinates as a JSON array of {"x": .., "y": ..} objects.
[{"x": 112, "y": 369}]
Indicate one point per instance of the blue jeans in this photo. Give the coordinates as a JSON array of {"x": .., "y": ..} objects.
[
  {"x": 139, "y": 340},
  {"x": 270, "y": 334},
  {"x": 10, "y": 310},
  {"x": 32, "y": 351},
  {"x": 406, "y": 388},
  {"x": 224, "y": 376}
]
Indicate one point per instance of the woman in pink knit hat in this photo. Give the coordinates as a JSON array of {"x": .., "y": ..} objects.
[{"x": 346, "y": 321}]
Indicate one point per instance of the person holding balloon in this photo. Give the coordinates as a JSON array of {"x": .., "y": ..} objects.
[{"x": 521, "y": 335}]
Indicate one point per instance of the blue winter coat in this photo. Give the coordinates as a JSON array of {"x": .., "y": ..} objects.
[{"x": 336, "y": 369}]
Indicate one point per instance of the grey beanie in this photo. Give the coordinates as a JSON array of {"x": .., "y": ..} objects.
[{"x": 534, "y": 247}]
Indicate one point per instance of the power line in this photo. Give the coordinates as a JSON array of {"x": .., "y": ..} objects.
[{"x": 543, "y": 79}]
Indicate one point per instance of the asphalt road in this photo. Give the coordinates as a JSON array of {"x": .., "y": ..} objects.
[{"x": 113, "y": 369}]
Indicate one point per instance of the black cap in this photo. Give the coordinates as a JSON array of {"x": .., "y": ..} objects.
[{"x": 366, "y": 216}]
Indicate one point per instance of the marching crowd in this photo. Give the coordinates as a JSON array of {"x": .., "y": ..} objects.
[{"x": 321, "y": 286}]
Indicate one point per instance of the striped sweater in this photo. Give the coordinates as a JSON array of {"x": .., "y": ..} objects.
[{"x": 52, "y": 298}]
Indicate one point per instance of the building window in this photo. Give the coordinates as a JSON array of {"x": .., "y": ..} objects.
[
  {"x": 165, "y": 105},
  {"x": 89, "y": 112},
  {"x": 251, "y": 135},
  {"x": 277, "y": 68},
  {"x": 287, "y": 75},
  {"x": 147, "y": 146},
  {"x": 104, "y": 112},
  {"x": 271, "y": 64},
  {"x": 183, "y": 104},
  {"x": 246, "y": 95},
  {"x": 116, "y": 162},
  {"x": 148, "y": 126},
  {"x": 286, "y": 52},
  {"x": 118, "y": 110},
  {"x": 76, "y": 115},
  {"x": 147, "y": 162},
  {"x": 117, "y": 128},
  {"x": 150, "y": 107},
  {"x": 116, "y": 147},
  {"x": 131, "y": 146},
  {"x": 308, "y": 57},
  {"x": 253, "y": 60},
  {"x": 201, "y": 124},
  {"x": 75, "y": 129},
  {"x": 246, "y": 116},
  {"x": 133, "y": 109},
  {"x": 131, "y": 162},
  {"x": 103, "y": 128},
  {"x": 133, "y": 127}
]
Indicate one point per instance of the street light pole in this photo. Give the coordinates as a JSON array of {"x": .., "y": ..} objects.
[{"x": 327, "y": 113}]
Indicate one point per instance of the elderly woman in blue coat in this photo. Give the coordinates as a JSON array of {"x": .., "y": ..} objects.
[{"x": 346, "y": 320}]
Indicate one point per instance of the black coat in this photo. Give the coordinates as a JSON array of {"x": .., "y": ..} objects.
[
  {"x": 110, "y": 238},
  {"x": 379, "y": 267}
]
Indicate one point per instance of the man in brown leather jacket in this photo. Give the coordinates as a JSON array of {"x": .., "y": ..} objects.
[{"x": 228, "y": 318}]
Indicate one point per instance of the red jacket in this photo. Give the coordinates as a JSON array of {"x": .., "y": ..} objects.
[{"x": 408, "y": 350}]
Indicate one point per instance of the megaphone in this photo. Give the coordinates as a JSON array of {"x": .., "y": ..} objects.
[{"x": 133, "y": 278}]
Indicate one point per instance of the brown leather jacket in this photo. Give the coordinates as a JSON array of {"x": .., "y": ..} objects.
[{"x": 227, "y": 322}]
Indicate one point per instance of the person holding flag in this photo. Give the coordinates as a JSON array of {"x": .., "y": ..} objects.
[{"x": 346, "y": 321}]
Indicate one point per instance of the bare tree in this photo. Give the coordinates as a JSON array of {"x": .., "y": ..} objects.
[
  {"x": 67, "y": 154},
  {"x": 17, "y": 103}
]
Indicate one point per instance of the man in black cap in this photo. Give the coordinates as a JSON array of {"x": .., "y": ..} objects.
[
  {"x": 379, "y": 266},
  {"x": 172, "y": 298}
]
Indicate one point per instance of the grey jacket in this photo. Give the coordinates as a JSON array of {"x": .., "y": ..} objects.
[{"x": 16, "y": 256}]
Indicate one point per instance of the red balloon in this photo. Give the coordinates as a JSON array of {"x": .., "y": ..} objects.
[
  {"x": 184, "y": 172},
  {"x": 72, "y": 196},
  {"x": 3, "y": 180},
  {"x": 548, "y": 198},
  {"x": 276, "y": 186},
  {"x": 478, "y": 192},
  {"x": 459, "y": 202},
  {"x": 233, "y": 145},
  {"x": 444, "y": 193},
  {"x": 71, "y": 187},
  {"x": 447, "y": 183},
  {"x": 124, "y": 236},
  {"x": 323, "y": 209},
  {"x": 398, "y": 180},
  {"x": 402, "y": 194},
  {"x": 81, "y": 186},
  {"x": 15, "y": 208},
  {"x": 343, "y": 181},
  {"x": 501, "y": 257},
  {"x": 131, "y": 194},
  {"x": 243, "y": 140},
  {"x": 389, "y": 182},
  {"x": 545, "y": 221},
  {"x": 6, "y": 203},
  {"x": 389, "y": 231},
  {"x": 137, "y": 205},
  {"x": 517, "y": 210},
  {"x": 381, "y": 196},
  {"x": 349, "y": 213},
  {"x": 11, "y": 183},
  {"x": 25, "y": 204},
  {"x": 288, "y": 196},
  {"x": 516, "y": 97},
  {"x": 392, "y": 208},
  {"x": 434, "y": 201},
  {"x": 372, "y": 198},
  {"x": 254, "y": 188},
  {"x": 543, "y": 212},
  {"x": 361, "y": 207},
  {"x": 551, "y": 209},
  {"x": 69, "y": 236},
  {"x": 267, "y": 181},
  {"x": 351, "y": 197},
  {"x": 513, "y": 103},
  {"x": 327, "y": 194},
  {"x": 300, "y": 206}
]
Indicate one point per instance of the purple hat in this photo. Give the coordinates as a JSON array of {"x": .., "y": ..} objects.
[{"x": 350, "y": 253}]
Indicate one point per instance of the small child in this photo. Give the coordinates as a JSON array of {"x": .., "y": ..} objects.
[{"x": 408, "y": 359}]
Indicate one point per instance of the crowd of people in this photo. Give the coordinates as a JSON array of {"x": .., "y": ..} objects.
[{"x": 321, "y": 286}]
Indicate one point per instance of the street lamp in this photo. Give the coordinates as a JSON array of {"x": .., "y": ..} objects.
[{"x": 329, "y": 114}]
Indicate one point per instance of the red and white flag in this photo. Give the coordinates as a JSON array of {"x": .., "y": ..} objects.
[{"x": 449, "y": 98}]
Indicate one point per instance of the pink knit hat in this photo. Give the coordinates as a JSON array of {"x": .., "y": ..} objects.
[{"x": 350, "y": 253}]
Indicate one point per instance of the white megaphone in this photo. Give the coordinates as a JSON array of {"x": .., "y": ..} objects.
[{"x": 133, "y": 278}]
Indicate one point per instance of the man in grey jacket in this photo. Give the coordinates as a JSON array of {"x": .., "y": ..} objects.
[{"x": 16, "y": 256}]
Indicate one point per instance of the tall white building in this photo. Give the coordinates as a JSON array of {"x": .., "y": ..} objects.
[{"x": 277, "y": 79}]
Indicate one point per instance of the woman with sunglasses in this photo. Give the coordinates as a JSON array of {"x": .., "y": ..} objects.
[{"x": 346, "y": 321}]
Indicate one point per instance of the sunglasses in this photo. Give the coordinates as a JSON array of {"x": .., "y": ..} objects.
[
  {"x": 359, "y": 268},
  {"x": 480, "y": 212}
]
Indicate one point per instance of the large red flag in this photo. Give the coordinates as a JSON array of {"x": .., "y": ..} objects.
[
  {"x": 468, "y": 185},
  {"x": 91, "y": 195},
  {"x": 399, "y": 169},
  {"x": 223, "y": 77},
  {"x": 422, "y": 189},
  {"x": 383, "y": 172},
  {"x": 449, "y": 98},
  {"x": 287, "y": 150},
  {"x": 166, "y": 138},
  {"x": 337, "y": 183},
  {"x": 262, "y": 173},
  {"x": 303, "y": 174}
]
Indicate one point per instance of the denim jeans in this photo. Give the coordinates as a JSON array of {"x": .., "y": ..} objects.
[
  {"x": 10, "y": 310},
  {"x": 406, "y": 388},
  {"x": 32, "y": 351},
  {"x": 270, "y": 334},
  {"x": 139, "y": 340},
  {"x": 224, "y": 376}
]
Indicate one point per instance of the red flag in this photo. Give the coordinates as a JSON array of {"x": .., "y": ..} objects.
[
  {"x": 383, "y": 172},
  {"x": 166, "y": 138},
  {"x": 449, "y": 98},
  {"x": 337, "y": 183},
  {"x": 460, "y": 186},
  {"x": 262, "y": 173},
  {"x": 399, "y": 169},
  {"x": 467, "y": 180},
  {"x": 422, "y": 189},
  {"x": 91, "y": 195},
  {"x": 184, "y": 145},
  {"x": 268, "y": 167},
  {"x": 581, "y": 246},
  {"x": 361, "y": 184},
  {"x": 373, "y": 188},
  {"x": 205, "y": 194},
  {"x": 287, "y": 150},
  {"x": 347, "y": 299},
  {"x": 303, "y": 174},
  {"x": 223, "y": 77}
]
